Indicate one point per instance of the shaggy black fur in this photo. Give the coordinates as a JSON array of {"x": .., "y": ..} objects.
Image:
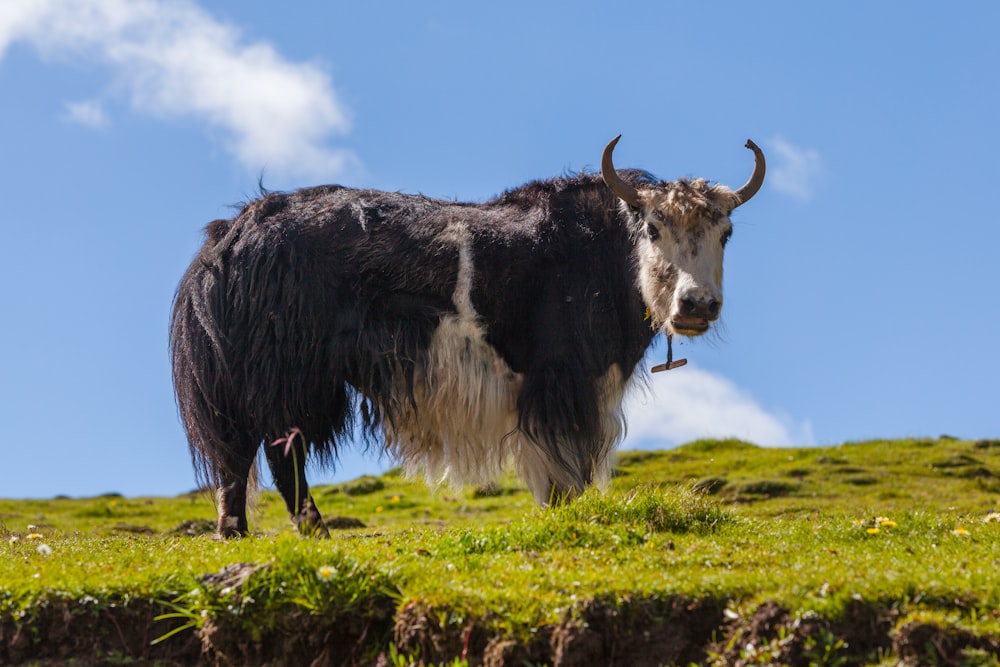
[{"x": 307, "y": 309}]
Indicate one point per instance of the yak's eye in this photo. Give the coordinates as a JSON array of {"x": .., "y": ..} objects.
[
  {"x": 653, "y": 232},
  {"x": 726, "y": 236}
]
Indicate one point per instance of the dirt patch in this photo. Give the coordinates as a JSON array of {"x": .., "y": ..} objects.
[
  {"x": 640, "y": 632},
  {"x": 861, "y": 481},
  {"x": 343, "y": 523},
  {"x": 773, "y": 635},
  {"x": 297, "y": 637},
  {"x": 364, "y": 485},
  {"x": 866, "y": 627},
  {"x": 643, "y": 632},
  {"x": 419, "y": 631},
  {"x": 986, "y": 444},
  {"x": 710, "y": 485},
  {"x": 132, "y": 528},
  {"x": 193, "y": 528},
  {"x": 599, "y": 632},
  {"x": 89, "y": 634},
  {"x": 493, "y": 490},
  {"x": 922, "y": 643},
  {"x": 956, "y": 461},
  {"x": 760, "y": 489},
  {"x": 745, "y": 639}
]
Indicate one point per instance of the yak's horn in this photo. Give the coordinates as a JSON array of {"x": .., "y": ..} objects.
[
  {"x": 756, "y": 178},
  {"x": 622, "y": 190}
]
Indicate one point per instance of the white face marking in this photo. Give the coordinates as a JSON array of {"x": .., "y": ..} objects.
[{"x": 680, "y": 251}]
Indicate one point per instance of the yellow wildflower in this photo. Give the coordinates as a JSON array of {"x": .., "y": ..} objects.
[
  {"x": 326, "y": 572},
  {"x": 872, "y": 531},
  {"x": 961, "y": 532}
]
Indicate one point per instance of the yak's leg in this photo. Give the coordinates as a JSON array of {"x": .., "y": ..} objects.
[
  {"x": 231, "y": 495},
  {"x": 547, "y": 480},
  {"x": 288, "y": 468},
  {"x": 560, "y": 417}
]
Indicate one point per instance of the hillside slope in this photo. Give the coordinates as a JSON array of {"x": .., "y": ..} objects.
[{"x": 717, "y": 552}]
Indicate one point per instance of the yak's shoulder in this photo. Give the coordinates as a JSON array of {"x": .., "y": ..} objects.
[
  {"x": 581, "y": 202},
  {"x": 569, "y": 188}
]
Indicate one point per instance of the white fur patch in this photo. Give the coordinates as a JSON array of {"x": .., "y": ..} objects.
[
  {"x": 463, "y": 426},
  {"x": 465, "y": 395}
]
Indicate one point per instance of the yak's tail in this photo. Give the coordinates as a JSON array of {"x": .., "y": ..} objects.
[
  {"x": 254, "y": 342},
  {"x": 201, "y": 376}
]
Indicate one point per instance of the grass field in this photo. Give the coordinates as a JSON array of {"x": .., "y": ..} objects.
[{"x": 718, "y": 552}]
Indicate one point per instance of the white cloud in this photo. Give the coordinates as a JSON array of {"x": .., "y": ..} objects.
[
  {"x": 690, "y": 403},
  {"x": 793, "y": 170},
  {"x": 88, "y": 113},
  {"x": 173, "y": 59}
]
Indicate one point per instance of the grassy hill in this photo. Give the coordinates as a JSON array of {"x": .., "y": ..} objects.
[{"x": 718, "y": 552}]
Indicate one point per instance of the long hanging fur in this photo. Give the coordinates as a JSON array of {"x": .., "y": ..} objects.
[{"x": 341, "y": 313}]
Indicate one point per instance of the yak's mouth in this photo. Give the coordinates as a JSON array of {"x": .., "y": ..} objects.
[{"x": 689, "y": 326}]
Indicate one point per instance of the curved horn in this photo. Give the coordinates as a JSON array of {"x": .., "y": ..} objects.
[
  {"x": 756, "y": 178},
  {"x": 622, "y": 190}
]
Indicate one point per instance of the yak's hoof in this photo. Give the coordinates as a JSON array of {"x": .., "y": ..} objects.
[
  {"x": 230, "y": 527},
  {"x": 222, "y": 536},
  {"x": 309, "y": 522}
]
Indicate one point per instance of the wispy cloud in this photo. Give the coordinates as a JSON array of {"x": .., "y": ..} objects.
[
  {"x": 88, "y": 113},
  {"x": 793, "y": 170},
  {"x": 691, "y": 403},
  {"x": 173, "y": 59}
]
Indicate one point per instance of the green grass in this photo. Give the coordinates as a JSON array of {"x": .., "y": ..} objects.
[{"x": 897, "y": 535}]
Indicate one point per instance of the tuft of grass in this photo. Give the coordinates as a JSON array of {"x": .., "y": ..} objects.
[
  {"x": 653, "y": 507},
  {"x": 726, "y": 446},
  {"x": 594, "y": 520}
]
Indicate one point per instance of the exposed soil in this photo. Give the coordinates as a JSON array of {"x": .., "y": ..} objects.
[
  {"x": 642, "y": 632},
  {"x": 343, "y": 523},
  {"x": 773, "y": 634},
  {"x": 193, "y": 528},
  {"x": 62, "y": 631}
]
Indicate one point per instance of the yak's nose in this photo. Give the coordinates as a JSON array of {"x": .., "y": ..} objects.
[{"x": 703, "y": 306}]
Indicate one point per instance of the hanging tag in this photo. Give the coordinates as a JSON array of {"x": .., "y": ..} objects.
[
  {"x": 669, "y": 367},
  {"x": 671, "y": 364}
]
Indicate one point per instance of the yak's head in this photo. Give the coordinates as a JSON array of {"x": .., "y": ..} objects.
[{"x": 681, "y": 229}]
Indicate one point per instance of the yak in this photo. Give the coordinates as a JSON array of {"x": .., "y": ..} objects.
[{"x": 457, "y": 337}]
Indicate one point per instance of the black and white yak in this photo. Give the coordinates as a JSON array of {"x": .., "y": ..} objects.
[{"x": 464, "y": 336}]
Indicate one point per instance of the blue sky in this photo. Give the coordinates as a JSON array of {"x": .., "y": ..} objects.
[{"x": 861, "y": 290}]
